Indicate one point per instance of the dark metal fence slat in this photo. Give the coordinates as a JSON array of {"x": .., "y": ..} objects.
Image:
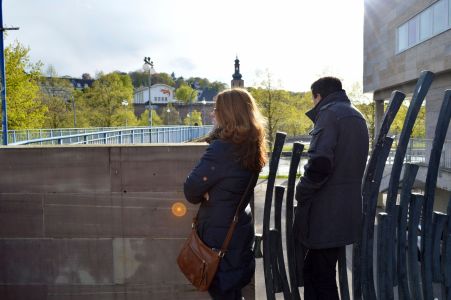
[
  {"x": 416, "y": 203},
  {"x": 362, "y": 276},
  {"x": 430, "y": 185},
  {"x": 273, "y": 165},
  {"x": 289, "y": 239},
  {"x": 370, "y": 195},
  {"x": 438, "y": 227},
  {"x": 420, "y": 91},
  {"x": 382, "y": 251},
  {"x": 410, "y": 173},
  {"x": 446, "y": 261},
  {"x": 279, "y": 191}
]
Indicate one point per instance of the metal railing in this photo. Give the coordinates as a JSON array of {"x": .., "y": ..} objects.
[
  {"x": 117, "y": 135},
  {"x": 418, "y": 152}
]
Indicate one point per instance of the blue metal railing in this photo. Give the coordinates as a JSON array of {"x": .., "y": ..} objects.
[
  {"x": 418, "y": 149},
  {"x": 109, "y": 135}
]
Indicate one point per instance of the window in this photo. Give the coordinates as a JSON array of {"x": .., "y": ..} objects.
[
  {"x": 431, "y": 21},
  {"x": 414, "y": 32},
  {"x": 402, "y": 38},
  {"x": 426, "y": 24},
  {"x": 440, "y": 16}
]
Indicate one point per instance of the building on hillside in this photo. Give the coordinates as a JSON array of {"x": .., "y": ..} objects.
[
  {"x": 159, "y": 94},
  {"x": 237, "y": 81},
  {"x": 402, "y": 38}
]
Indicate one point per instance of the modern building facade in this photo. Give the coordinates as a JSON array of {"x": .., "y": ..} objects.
[{"x": 402, "y": 38}]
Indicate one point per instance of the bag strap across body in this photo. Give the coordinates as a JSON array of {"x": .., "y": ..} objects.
[{"x": 226, "y": 242}]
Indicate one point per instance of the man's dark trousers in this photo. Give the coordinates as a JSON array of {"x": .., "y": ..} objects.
[{"x": 320, "y": 274}]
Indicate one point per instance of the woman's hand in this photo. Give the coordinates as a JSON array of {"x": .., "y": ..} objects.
[{"x": 206, "y": 196}]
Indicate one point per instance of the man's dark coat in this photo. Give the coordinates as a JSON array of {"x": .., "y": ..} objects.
[{"x": 329, "y": 193}]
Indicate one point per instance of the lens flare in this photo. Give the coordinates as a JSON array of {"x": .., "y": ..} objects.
[{"x": 178, "y": 209}]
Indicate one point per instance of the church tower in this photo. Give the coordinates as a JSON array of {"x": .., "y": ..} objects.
[{"x": 237, "y": 82}]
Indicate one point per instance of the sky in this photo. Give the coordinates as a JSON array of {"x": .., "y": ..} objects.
[{"x": 295, "y": 41}]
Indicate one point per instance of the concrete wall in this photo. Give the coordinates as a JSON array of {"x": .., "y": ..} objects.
[{"x": 94, "y": 222}]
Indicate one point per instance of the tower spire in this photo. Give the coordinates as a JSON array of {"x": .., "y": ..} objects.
[{"x": 237, "y": 81}]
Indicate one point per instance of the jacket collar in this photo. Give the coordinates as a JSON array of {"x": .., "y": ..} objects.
[{"x": 339, "y": 96}]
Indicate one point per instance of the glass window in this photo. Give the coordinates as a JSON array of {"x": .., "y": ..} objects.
[
  {"x": 414, "y": 33},
  {"x": 402, "y": 38},
  {"x": 426, "y": 24},
  {"x": 440, "y": 16},
  {"x": 449, "y": 13}
]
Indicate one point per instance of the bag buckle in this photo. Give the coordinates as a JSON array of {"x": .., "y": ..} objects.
[{"x": 220, "y": 253}]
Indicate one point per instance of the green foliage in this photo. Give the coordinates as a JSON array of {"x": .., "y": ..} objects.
[
  {"x": 367, "y": 110},
  {"x": 419, "y": 129},
  {"x": 283, "y": 110},
  {"x": 141, "y": 78},
  {"x": 144, "y": 119},
  {"x": 58, "y": 95},
  {"x": 124, "y": 117},
  {"x": 25, "y": 110},
  {"x": 104, "y": 99},
  {"x": 195, "y": 117},
  {"x": 170, "y": 115},
  {"x": 186, "y": 94}
]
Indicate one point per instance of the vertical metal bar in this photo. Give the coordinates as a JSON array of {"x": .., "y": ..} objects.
[
  {"x": 382, "y": 232},
  {"x": 446, "y": 261},
  {"x": 343, "y": 274},
  {"x": 362, "y": 254},
  {"x": 430, "y": 185},
  {"x": 273, "y": 165},
  {"x": 439, "y": 222},
  {"x": 370, "y": 194},
  {"x": 279, "y": 191},
  {"x": 276, "y": 278},
  {"x": 3, "y": 87},
  {"x": 421, "y": 89},
  {"x": 410, "y": 173},
  {"x": 416, "y": 202},
  {"x": 289, "y": 238}
]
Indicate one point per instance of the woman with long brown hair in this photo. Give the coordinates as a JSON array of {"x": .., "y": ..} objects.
[{"x": 237, "y": 153}]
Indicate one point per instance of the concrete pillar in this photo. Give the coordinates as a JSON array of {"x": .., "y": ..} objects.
[{"x": 378, "y": 115}]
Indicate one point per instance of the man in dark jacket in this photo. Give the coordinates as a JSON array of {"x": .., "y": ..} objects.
[{"x": 329, "y": 194}]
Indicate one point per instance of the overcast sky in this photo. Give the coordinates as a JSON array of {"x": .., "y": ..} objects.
[{"x": 297, "y": 41}]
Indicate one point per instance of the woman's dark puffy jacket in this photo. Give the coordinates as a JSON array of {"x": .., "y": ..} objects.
[{"x": 221, "y": 175}]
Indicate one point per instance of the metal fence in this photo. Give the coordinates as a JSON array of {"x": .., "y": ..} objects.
[
  {"x": 117, "y": 135},
  {"x": 418, "y": 152}
]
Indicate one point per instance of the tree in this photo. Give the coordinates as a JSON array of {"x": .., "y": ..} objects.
[
  {"x": 170, "y": 115},
  {"x": 58, "y": 94},
  {"x": 419, "y": 129},
  {"x": 144, "y": 119},
  {"x": 25, "y": 110},
  {"x": 104, "y": 99},
  {"x": 295, "y": 121},
  {"x": 367, "y": 110},
  {"x": 193, "y": 118},
  {"x": 141, "y": 78},
  {"x": 272, "y": 104},
  {"x": 124, "y": 117},
  {"x": 186, "y": 93}
]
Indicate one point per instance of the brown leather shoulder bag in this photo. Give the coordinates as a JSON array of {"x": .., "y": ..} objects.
[{"x": 199, "y": 262}]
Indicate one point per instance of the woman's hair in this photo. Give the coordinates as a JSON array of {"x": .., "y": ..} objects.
[{"x": 239, "y": 121}]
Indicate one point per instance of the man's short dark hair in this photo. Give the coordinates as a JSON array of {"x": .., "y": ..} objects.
[{"x": 326, "y": 86}]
